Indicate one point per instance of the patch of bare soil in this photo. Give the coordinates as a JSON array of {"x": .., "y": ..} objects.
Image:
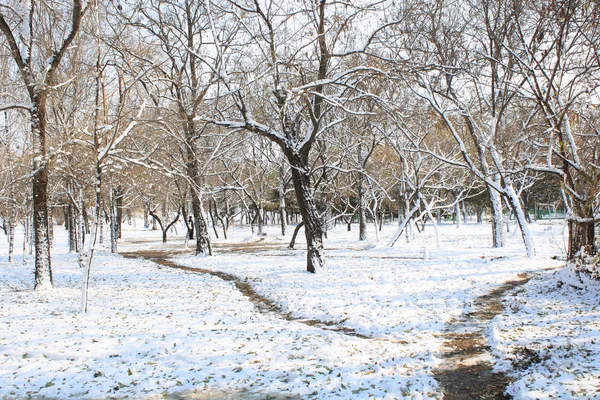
[
  {"x": 466, "y": 372},
  {"x": 262, "y": 303}
]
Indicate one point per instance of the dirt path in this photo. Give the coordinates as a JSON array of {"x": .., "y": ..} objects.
[
  {"x": 263, "y": 304},
  {"x": 466, "y": 372}
]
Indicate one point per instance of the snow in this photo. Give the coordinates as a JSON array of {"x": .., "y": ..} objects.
[
  {"x": 153, "y": 331},
  {"x": 549, "y": 337}
]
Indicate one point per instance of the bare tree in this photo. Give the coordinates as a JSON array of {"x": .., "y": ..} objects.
[
  {"x": 556, "y": 54},
  {"x": 37, "y": 54},
  {"x": 461, "y": 69},
  {"x": 300, "y": 56},
  {"x": 186, "y": 65}
]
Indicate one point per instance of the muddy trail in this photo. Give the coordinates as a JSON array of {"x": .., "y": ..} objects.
[
  {"x": 466, "y": 372},
  {"x": 262, "y": 304}
]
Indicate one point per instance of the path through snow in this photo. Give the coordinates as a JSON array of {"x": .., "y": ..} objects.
[
  {"x": 157, "y": 331},
  {"x": 466, "y": 372},
  {"x": 262, "y": 303}
]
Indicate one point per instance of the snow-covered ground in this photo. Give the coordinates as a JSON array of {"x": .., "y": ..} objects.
[
  {"x": 152, "y": 331},
  {"x": 548, "y": 339}
]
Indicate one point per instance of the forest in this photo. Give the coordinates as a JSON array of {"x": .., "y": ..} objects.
[{"x": 320, "y": 130}]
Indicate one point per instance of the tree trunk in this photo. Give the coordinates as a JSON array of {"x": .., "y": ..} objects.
[
  {"x": 295, "y": 234},
  {"x": 193, "y": 173},
  {"x": 29, "y": 226},
  {"x": 86, "y": 257},
  {"x": 80, "y": 223},
  {"x": 326, "y": 219},
  {"x": 119, "y": 192},
  {"x": 409, "y": 221},
  {"x": 282, "y": 212},
  {"x": 114, "y": 233},
  {"x": 252, "y": 221},
  {"x": 195, "y": 180},
  {"x": 515, "y": 205},
  {"x": 224, "y": 221},
  {"x": 362, "y": 208},
  {"x": 72, "y": 216},
  {"x": 260, "y": 220},
  {"x": 86, "y": 221},
  {"x": 43, "y": 266},
  {"x": 100, "y": 223},
  {"x": 25, "y": 240},
  {"x": 497, "y": 223},
  {"x": 212, "y": 216},
  {"x": 408, "y": 214},
  {"x": 457, "y": 214},
  {"x": 146, "y": 219},
  {"x": 50, "y": 227},
  {"x": 581, "y": 237},
  {"x": 315, "y": 257},
  {"x": 10, "y": 228},
  {"x": 430, "y": 215}
]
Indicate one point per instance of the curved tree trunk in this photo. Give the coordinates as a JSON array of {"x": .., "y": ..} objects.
[
  {"x": 296, "y": 230},
  {"x": 515, "y": 205},
  {"x": 313, "y": 230},
  {"x": 212, "y": 216}
]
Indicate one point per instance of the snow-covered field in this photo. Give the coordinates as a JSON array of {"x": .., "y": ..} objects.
[
  {"x": 152, "y": 331},
  {"x": 549, "y": 338}
]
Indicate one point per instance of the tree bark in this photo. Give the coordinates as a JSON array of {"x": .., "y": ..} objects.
[
  {"x": 581, "y": 237},
  {"x": 193, "y": 173},
  {"x": 313, "y": 230},
  {"x": 212, "y": 216},
  {"x": 457, "y": 214},
  {"x": 260, "y": 220},
  {"x": 72, "y": 217},
  {"x": 43, "y": 265},
  {"x": 119, "y": 192},
  {"x": 362, "y": 215},
  {"x": 282, "y": 212},
  {"x": 100, "y": 223},
  {"x": 515, "y": 205},
  {"x": 114, "y": 234},
  {"x": 146, "y": 219},
  {"x": 295, "y": 234},
  {"x": 10, "y": 228},
  {"x": 362, "y": 201},
  {"x": 497, "y": 223}
]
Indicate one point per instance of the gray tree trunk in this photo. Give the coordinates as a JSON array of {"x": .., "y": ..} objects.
[
  {"x": 282, "y": 212},
  {"x": 497, "y": 218}
]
